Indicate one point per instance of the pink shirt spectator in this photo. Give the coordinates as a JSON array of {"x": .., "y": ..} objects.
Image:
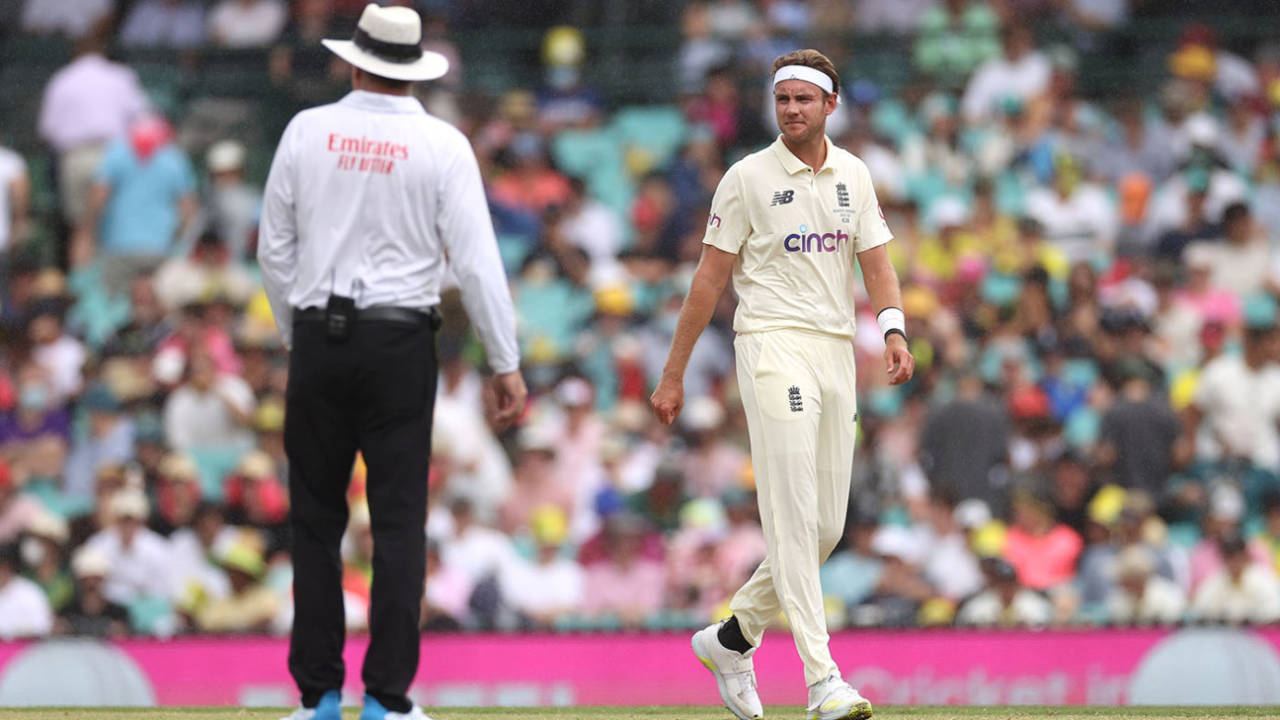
[
  {"x": 694, "y": 578},
  {"x": 578, "y": 453},
  {"x": 712, "y": 471},
  {"x": 740, "y": 552},
  {"x": 533, "y": 489},
  {"x": 1206, "y": 560},
  {"x": 448, "y": 589},
  {"x": 1212, "y": 305},
  {"x": 1043, "y": 561},
  {"x": 631, "y": 591},
  {"x": 16, "y": 511},
  {"x": 720, "y": 116},
  {"x": 214, "y": 340},
  {"x": 578, "y": 463},
  {"x": 596, "y": 548},
  {"x": 15, "y": 514}
]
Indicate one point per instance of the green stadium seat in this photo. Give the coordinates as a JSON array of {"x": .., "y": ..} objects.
[
  {"x": 96, "y": 312},
  {"x": 49, "y": 492},
  {"x": 215, "y": 464},
  {"x": 656, "y": 130},
  {"x": 150, "y": 615},
  {"x": 163, "y": 84},
  {"x": 513, "y": 249},
  {"x": 596, "y": 156}
]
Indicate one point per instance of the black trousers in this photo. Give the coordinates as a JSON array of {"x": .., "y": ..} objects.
[{"x": 374, "y": 393}]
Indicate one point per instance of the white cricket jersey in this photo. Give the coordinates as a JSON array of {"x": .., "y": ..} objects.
[
  {"x": 796, "y": 232},
  {"x": 368, "y": 197}
]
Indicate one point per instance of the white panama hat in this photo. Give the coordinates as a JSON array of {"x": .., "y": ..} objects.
[
  {"x": 388, "y": 43},
  {"x": 224, "y": 156},
  {"x": 90, "y": 562}
]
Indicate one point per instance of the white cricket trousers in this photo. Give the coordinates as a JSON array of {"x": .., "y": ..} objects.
[{"x": 798, "y": 391}]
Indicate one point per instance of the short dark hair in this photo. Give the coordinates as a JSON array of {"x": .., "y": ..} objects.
[
  {"x": 9, "y": 556},
  {"x": 386, "y": 82},
  {"x": 1271, "y": 501},
  {"x": 1234, "y": 212},
  {"x": 810, "y": 58},
  {"x": 1232, "y": 545},
  {"x": 207, "y": 509},
  {"x": 945, "y": 494}
]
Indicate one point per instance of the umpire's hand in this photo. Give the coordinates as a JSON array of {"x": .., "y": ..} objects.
[{"x": 504, "y": 399}]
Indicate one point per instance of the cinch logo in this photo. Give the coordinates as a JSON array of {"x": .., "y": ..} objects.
[
  {"x": 805, "y": 241},
  {"x": 713, "y": 221}
]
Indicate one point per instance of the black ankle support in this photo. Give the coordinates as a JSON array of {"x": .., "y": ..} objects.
[{"x": 730, "y": 636}]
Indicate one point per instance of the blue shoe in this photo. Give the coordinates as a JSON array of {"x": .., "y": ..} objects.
[
  {"x": 329, "y": 708},
  {"x": 374, "y": 710}
]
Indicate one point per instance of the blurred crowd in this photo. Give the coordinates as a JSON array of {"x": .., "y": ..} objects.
[{"x": 1090, "y": 284}]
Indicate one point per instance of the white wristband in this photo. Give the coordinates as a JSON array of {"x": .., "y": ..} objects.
[{"x": 891, "y": 319}]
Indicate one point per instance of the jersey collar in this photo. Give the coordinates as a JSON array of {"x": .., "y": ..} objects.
[
  {"x": 793, "y": 164},
  {"x": 381, "y": 102}
]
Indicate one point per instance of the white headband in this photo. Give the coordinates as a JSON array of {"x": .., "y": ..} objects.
[{"x": 805, "y": 73}]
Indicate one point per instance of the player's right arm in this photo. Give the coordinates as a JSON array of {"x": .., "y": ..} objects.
[
  {"x": 278, "y": 233},
  {"x": 709, "y": 280},
  {"x": 727, "y": 230}
]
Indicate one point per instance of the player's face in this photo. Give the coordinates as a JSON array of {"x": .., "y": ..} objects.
[{"x": 802, "y": 109}]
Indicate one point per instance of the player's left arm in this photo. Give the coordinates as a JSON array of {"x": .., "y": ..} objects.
[{"x": 886, "y": 295}]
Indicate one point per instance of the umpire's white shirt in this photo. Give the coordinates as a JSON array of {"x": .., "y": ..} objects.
[
  {"x": 368, "y": 197},
  {"x": 796, "y": 232}
]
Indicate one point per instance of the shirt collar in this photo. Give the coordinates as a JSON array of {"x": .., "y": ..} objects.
[
  {"x": 382, "y": 102},
  {"x": 793, "y": 164}
]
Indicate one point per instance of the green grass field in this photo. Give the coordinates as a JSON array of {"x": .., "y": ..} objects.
[{"x": 672, "y": 712}]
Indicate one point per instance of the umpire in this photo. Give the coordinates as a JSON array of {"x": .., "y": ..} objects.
[{"x": 366, "y": 199}]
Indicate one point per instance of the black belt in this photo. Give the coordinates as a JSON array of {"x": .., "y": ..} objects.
[{"x": 377, "y": 313}]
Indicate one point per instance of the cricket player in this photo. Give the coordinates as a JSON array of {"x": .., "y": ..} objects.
[{"x": 786, "y": 222}]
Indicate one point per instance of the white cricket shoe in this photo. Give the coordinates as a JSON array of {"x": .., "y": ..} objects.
[
  {"x": 735, "y": 673},
  {"x": 374, "y": 710},
  {"x": 835, "y": 699}
]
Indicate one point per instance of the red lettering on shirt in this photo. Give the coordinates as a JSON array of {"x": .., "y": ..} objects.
[
  {"x": 359, "y": 163},
  {"x": 367, "y": 147}
]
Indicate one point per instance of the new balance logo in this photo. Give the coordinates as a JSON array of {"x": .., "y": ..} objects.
[
  {"x": 782, "y": 197},
  {"x": 793, "y": 397},
  {"x": 842, "y": 195}
]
